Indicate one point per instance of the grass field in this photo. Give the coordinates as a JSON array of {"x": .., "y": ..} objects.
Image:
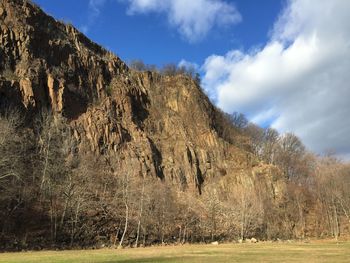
[{"x": 260, "y": 252}]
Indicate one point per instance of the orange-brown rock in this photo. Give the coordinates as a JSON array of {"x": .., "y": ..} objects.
[{"x": 163, "y": 126}]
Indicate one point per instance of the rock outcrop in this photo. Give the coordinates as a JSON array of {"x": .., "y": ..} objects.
[{"x": 162, "y": 126}]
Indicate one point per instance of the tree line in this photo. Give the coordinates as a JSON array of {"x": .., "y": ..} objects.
[
  {"x": 169, "y": 69},
  {"x": 54, "y": 195}
]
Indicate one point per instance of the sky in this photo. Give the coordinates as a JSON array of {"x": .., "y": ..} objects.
[{"x": 283, "y": 63}]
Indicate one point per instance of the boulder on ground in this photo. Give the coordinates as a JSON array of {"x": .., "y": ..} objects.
[{"x": 215, "y": 243}]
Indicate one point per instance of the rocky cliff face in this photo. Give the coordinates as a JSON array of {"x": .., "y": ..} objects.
[{"x": 162, "y": 126}]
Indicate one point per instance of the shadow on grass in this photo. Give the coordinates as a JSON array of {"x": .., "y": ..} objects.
[{"x": 145, "y": 260}]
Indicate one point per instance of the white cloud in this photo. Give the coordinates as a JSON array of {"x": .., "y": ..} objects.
[
  {"x": 188, "y": 65},
  {"x": 94, "y": 12},
  {"x": 193, "y": 19},
  {"x": 300, "y": 78},
  {"x": 95, "y": 6}
]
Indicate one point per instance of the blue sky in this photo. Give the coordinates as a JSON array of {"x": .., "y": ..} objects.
[
  {"x": 150, "y": 37},
  {"x": 280, "y": 62}
]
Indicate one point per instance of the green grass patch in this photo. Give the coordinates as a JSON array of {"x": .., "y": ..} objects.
[{"x": 260, "y": 252}]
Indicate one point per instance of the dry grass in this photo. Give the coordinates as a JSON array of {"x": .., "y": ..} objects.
[{"x": 262, "y": 252}]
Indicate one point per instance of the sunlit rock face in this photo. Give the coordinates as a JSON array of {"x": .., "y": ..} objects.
[{"x": 155, "y": 125}]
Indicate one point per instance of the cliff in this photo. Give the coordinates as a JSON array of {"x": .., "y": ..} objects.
[{"x": 161, "y": 126}]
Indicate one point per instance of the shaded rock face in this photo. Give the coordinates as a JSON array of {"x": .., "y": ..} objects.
[
  {"x": 52, "y": 64},
  {"x": 155, "y": 125}
]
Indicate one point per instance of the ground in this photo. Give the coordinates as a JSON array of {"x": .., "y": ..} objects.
[{"x": 329, "y": 251}]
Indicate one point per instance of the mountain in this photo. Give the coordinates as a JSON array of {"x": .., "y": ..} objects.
[
  {"x": 137, "y": 123},
  {"x": 163, "y": 126}
]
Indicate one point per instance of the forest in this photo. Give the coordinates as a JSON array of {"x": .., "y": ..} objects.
[{"x": 56, "y": 195}]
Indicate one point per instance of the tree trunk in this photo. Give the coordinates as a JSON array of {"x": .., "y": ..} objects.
[
  {"x": 74, "y": 223},
  {"x": 242, "y": 225},
  {"x": 126, "y": 224},
  {"x": 335, "y": 222},
  {"x": 140, "y": 214},
  {"x": 126, "y": 200},
  {"x": 116, "y": 235},
  {"x": 184, "y": 235}
]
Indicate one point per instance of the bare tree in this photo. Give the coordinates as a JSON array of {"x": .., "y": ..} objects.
[
  {"x": 270, "y": 146},
  {"x": 169, "y": 69},
  {"x": 52, "y": 167},
  {"x": 126, "y": 201},
  {"x": 290, "y": 155},
  {"x": 247, "y": 209},
  {"x": 138, "y": 65},
  {"x": 330, "y": 189},
  {"x": 10, "y": 153},
  {"x": 141, "y": 208},
  {"x": 239, "y": 120},
  {"x": 256, "y": 135},
  {"x": 214, "y": 211}
]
